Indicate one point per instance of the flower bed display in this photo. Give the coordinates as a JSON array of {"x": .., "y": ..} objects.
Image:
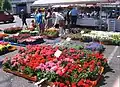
[
  {"x": 2, "y": 36},
  {"x": 15, "y": 38},
  {"x": 51, "y": 33},
  {"x": 108, "y": 38},
  {"x": 25, "y": 32},
  {"x": 12, "y": 30},
  {"x": 67, "y": 44},
  {"x": 25, "y": 39},
  {"x": 6, "y": 47},
  {"x": 31, "y": 40},
  {"x": 73, "y": 68},
  {"x": 32, "y": 33},
  {"x": 95, "y": 46},
  {"x": 76, "y": 36}
]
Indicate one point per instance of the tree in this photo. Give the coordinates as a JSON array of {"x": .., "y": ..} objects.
[
  {"x": 6, "y": 5},
  {"x": 1, "y": 2}
]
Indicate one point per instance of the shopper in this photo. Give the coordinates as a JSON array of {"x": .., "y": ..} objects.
[
  {"x": 68, "y": 18},
  {"x": 38, "y": 19},
  {"x": 33, "y": 25},
  {"x": 23, "y": 16},
  {"x": 43, "y": 19},
  {"x": 59, "y": 21},
  {"x": 48, "y": 19},
  {"x": 74, "y": 14}
]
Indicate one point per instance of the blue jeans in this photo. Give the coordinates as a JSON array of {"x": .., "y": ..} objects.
[{"x": 73, "y": 20}]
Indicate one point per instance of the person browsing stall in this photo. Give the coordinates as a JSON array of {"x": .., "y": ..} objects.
[{"x": 74, "y": 14}]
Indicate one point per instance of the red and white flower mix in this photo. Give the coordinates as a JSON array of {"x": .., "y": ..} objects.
[{"x": 73, "y": 68}]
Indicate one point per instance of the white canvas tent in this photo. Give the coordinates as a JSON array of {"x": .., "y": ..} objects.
[
  {"x": 55, "y": 6},
  {"x": 57, "y": 2}
]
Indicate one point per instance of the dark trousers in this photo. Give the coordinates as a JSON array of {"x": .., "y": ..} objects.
[
  {"x": 73, "y": 20},
  {"x": 24, "y": 22}
]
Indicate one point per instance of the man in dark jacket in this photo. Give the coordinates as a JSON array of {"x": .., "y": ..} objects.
[{"x": 23, "y": 16}]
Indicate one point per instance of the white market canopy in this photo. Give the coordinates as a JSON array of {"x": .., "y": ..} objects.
[
  {"x": 58, "y": 2},
  {"x": 55, "y": 6}
]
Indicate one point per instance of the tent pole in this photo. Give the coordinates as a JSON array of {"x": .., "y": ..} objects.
[{"x": 100, "y": 20}]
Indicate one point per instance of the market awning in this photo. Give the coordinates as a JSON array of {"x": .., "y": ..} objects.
[
  {"x": 57, "y": 2},
  {"x": 55, "y": 6}
]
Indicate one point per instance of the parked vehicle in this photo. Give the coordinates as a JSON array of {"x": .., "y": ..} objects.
[{"x": 6, "y": 17}]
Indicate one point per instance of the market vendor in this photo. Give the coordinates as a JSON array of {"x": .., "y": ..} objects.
[{"x": 74, "y": 14}]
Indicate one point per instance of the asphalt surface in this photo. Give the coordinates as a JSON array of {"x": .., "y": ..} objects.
[
  {"x": 17, "y": 22},
  {"x": 110, "y": 77}
]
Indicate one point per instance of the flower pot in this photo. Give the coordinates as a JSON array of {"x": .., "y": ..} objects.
[
  {"x": 34, "y": 78},
  {"x": 12, "y": 48}
]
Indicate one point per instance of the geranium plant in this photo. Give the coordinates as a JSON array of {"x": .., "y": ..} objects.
[{"x": 71, "y": 69}]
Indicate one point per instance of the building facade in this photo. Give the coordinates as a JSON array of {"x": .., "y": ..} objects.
[{"x": 17, "y": 5}]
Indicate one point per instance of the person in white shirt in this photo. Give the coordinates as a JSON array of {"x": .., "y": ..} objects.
[{"x": 59, "y": 21}]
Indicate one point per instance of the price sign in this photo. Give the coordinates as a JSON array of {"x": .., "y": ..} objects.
[
  {"x": 68, "y": 39},
  {"x": 58, "y": 53}
]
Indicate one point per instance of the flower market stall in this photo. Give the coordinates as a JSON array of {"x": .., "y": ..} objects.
[
  {"x": 107, "y": 38},
  {"x": 24, "y": 39},
  {"x": 59, "y": 65},
  {"x": 51, "y": 33},
  {"x": 12, "y": 30},
  {"x": 2, "y": 35},
  {"x": 6, "y": 47}
]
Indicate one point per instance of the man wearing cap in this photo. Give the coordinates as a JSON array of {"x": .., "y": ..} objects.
[{"x": 23, "y": 16}]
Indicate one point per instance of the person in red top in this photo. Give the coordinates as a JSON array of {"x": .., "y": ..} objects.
[{"x": 33, "y": 25}]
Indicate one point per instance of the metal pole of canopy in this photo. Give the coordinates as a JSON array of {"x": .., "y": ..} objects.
[{"x": 100, "y": 18}]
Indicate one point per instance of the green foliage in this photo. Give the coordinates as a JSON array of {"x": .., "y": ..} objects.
[
  {"x": 6, "y": 5},
  {"x": 29, "y": 71},
  {"x": 1, "y": 2}
]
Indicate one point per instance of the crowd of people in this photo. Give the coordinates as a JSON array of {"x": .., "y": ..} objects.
[
  {"x": 59, "y": 18},
  {"x": 47, "y": 18}
]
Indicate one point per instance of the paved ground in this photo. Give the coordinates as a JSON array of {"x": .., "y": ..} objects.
[
  {"x": 17, "y": 22},
  {"x": 110, "y": 79}
]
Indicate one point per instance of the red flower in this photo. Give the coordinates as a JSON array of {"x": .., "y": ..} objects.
[
  {"x": 92, "y": 67},
  {"x": 80, "y": 83},
  {"x": 98, "y": 63},
  {"x": 62, "y": 84},
  {"x": 74, "y": 84}
]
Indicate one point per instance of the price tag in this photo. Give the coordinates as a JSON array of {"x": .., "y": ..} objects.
[
  {"x": 58, "y": 53},
  {"x": 68, "y": 39},
  {"x": 82, "y": 32},
  {"x": 16, "y": 34}
]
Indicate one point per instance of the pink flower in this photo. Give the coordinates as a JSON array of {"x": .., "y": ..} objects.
[
  {"x": 54, "y": 68},
  {"x": 5, "y": 60},
  {"x": 15, "y": 64}
]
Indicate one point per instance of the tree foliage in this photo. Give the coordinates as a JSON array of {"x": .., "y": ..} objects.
[
  {"x": 1, "y": 2},
  {"x": 5, "y": 4}
]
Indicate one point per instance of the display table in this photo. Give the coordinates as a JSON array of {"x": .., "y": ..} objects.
[
  {"x": 87, "y": 22},
  {"x": 117, "y": 25},
  {"x": 113, "y": 24}
]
